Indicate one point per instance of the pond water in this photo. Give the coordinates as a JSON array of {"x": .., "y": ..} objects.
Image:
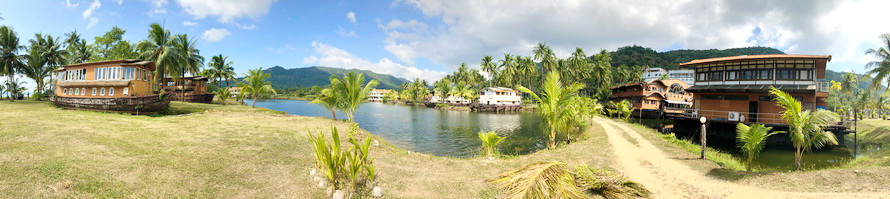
[{"x": 432, "y": 131}]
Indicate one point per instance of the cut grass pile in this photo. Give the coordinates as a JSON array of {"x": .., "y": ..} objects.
[{"x": 214, "y": 151}]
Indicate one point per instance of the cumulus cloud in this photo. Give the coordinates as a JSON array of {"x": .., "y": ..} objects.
[
  {"x": 464, "y": 31},
  {"x": 351, "y": 17},
  {"x": 226, "y": 10},
  {"x": 93, "y": 22},
  {"x": 189, "y": 23},
  {"x": 119, "y": 2},
  {"x": 89, "y": 11},
  {"x": 215, "y": 34},
  {"x": 334, "y": 57},
  {"x": 347, "y": 34}
]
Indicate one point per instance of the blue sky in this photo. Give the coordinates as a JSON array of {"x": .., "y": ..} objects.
[{"x": 429, "y": 38}]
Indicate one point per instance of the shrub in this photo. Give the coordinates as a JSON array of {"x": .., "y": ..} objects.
[
  {"x": 490, "y": 142},
  {"x": 352, "y": 167}
]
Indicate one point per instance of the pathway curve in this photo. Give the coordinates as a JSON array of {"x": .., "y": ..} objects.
[{"x": 667, "y": 177}]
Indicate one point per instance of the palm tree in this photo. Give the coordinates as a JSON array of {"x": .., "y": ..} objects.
[
  {"x": 37, "y": 70},
  {"x": 192, "y": 61},
  {"x": 463, "y": 90},
  {"x": 540, "y": 180},
  {"x": 508, "y": 69},
  {"x": 528, "y": 69},
  {"x": 221, "y": 69},
  {"x": 329, "y": 100},
  {"x": 545, "y": 55},
  {"x": 15, "y": 88},
  {"x": 751, "y": 141},
  {"x": 10, "y": 61},
  {"x": 255, "y": 85},
  {"x": 443, "y": 87},
  {"x": 351, "y": 93},
  {"x": 880, "y": 68},
  {"x": 159, "y": 48},
  {"x": 804, "y": 126},
  {"x": 53, "y": 54},
  {"x": 223, "y": 95},
  {"x": 552, "y": 101},
  {"x": 490, "y": 142},
  {"x": 489, "y": 67},
  {"x": 77, "y": 49}
]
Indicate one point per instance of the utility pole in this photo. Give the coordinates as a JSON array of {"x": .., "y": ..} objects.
[{"x": 704, "y": 136}]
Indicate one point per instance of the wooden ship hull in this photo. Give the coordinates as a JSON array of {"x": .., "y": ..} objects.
[
  {"x": 202, "y": 98},
  {"x": 135, "y": 105},
  {"x": 494, "y": 108}
]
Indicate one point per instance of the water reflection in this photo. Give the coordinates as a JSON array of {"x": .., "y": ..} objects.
[{"x": 426, "y": 130}]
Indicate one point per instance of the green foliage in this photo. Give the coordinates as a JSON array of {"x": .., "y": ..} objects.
[
  {"x": 329, "y": 100},
  {"x": 490, "y": 142},
  {"x": 723, "y": 159},
  {"x": 880, "y": 68},
  {"x": 751, "y": 141},
  {"x": 223, "y": 95},
  {"x": 622, "y": 110},
  {"x": 350, "y": 93},
  {"x": 112, "y": 46},
  {"x": 558, "y": 180},
  {"x": 352, "y": 167},
  {"x": 319, "y": 76},
  {"x": 804, "y": 126},
  {"x": 255, "y": 85},
  {"x": 9, "y": 59},
  {"x": 642, "y": 56},
  {"x": 552, "y": 104}
]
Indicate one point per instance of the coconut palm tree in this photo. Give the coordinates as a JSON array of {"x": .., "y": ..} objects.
[
  {"x": 489, "y": 67},
  {"x": 508, "y": 70},
  {"x": 443, "y": 87},
  {"x": 328, "y": 98},
  {"x": 463, "y": 90},
  {"x": 751, "y": 140},
  {"x": 221, "y": 69},
  {"x": 77, "y": 49},
  {"x": 490, "y": 142},
  {"x": 37, "y": 70},
  {"x": 545, "y": 55},
  {"x": 53, "y": 53},
  {"x": 255, "y": 85},
  {"x": 192, "y": 61},
  {"x": 351, "y": 93},
  {"x": 551, "y": 103},
  {"x": 804, "y": 126},
  {"x": 10, "y": 61},
  {"x": 15, "y": 88},
  {"x": 528, "y": 69},
  {"x": 881, "y": 67},
  {"x": 160, "y": 48},
  {"x": 223, "y": 95}
]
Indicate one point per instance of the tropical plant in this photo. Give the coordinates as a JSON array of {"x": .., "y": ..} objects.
[
  {"x": 77, "y": 49},
  {"x": 751, "y": 141},
  {"x": 191, "y": 60},
  {"x": 558, "y": 180},
  {"x": 255, "y": 85},
  {"x": 329, "y": 100},
  {"x": 351, "y": 167},
  {"x": 160, "y": 48},
  {"x": 490, "y": 142},
  {"x": 463, "y": 90},
  {"x": 881, "y": 67},
  {"x": 51, "y": 53},
  {"x": 551, "y": 103},
  {"x": 223, "y": 95},
  {"x": 220, "y": 69},
  {"x": 350, "y": 92},
  {"x": 36, "y": 69},
  {"x": 488, "y": 66},
  {"x": 545, "y": 55},
  {"x": 804, "y": 126},
  {"x": 10, "y": 61},
  {"x": 15, "y": 88}
]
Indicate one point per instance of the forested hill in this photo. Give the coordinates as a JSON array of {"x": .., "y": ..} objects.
[
  {"x": 642, "y": 56},
  {"x": 282, "y": 78}
]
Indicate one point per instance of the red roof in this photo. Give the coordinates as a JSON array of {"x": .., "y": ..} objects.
[{"x": 754, "y": 57}]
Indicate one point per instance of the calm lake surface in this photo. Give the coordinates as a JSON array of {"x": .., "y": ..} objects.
[{"x": 432, "y": 131}]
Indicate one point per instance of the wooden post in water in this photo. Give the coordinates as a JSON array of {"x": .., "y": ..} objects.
[{"x": 704, "y": 137}]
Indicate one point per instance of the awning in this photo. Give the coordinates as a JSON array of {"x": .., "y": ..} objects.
[{"x": 678, "y": 102}]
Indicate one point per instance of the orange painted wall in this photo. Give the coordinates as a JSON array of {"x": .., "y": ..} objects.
[{"x": 135, "y": 87}]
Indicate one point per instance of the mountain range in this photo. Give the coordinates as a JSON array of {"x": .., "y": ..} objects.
[{"x": 282, "y": 78}]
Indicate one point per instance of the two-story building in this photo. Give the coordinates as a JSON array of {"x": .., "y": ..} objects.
[
  {"x": 188, "y": 89},
  {"x": 377, "y": 95},
  {"x": 114, "y": 86},
  {"x": 498, "y": 99}
]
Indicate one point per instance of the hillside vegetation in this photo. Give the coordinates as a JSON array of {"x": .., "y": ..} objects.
[
  {"x": 318, "y": 76},
  {"x": 642, "y": 56}
]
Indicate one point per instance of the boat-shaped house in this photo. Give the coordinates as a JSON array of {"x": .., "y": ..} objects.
[
  {"x": 498, "y": 99},
  {"x": 113, "y": 86},
  {"x": 188, "y": 89}
]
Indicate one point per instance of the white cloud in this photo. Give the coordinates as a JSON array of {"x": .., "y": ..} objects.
[
  {"x": 71, "y": 5},
  {"x": 93, "y": 22},
  {"x": 347, "y": 34},
  {"x": 334, "y": 57},
  {"x": 189, "y": 23},
  {"x": 351, "y": 17},
  {"x": 463, "y": 31},
  {"x": 215, "y": 34},
  {"x": 89, "y": 11},
  {"x": 226, "y": 10},
  {"x": 119, "y": 2},
  {"x": 158, "y": 3}
]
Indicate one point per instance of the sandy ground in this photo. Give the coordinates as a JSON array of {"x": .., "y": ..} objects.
[{"x": 667, "y": 177}]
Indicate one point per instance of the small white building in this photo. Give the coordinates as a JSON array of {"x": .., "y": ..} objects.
[
  {"x": 653, "y": 74},
  {"x": 684, "y": 75},
  {"x": 499, "y": 96},
  {"x": 377, "y": 95},
  {"x": 451, "y": 99}
]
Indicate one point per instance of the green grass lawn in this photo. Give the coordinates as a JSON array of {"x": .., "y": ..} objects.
[{"x": 214, "y": 151}]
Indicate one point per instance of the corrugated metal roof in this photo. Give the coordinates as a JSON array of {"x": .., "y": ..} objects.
[{"x": 754, "y": 57}]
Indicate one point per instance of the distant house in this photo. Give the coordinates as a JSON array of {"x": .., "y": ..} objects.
[
  {"x": 188, "y": 89},
  {"x": 653, "y": 74},
  {"x": 113, "y": 85},
  {"x": 377, "y": 95},
  {"x": 685, "y": 75},
  {"x": 235, "y": 91},
  {"x": 653, "y": 98}
]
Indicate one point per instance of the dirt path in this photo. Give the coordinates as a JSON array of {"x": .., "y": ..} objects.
[{"x": 668, "y": 178}]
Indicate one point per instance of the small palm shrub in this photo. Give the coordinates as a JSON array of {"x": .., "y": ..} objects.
[
  {"x": 490, "y": 142},
  {"x": 558, "y": 180},
  {"x": 223, "y": 95},
  {"x": 751, "y": 140},
  {"x": 352, "y": 167}
]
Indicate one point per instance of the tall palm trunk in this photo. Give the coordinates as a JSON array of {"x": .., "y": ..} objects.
[
  {"x": 798, "y": 155},
  {"x": 9, "y": 79}
]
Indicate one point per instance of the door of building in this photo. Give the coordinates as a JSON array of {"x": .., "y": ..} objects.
[{"x": 752, "y": 111}]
